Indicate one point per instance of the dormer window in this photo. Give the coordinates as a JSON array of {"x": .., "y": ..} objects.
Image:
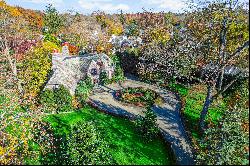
[
  {"x": 100, "y": 63},
  {"x": 93, "y": 71}
]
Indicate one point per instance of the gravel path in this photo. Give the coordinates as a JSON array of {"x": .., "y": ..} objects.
[{"x": 168, "y": 115}]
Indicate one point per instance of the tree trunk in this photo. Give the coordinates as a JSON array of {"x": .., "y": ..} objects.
[
  {"x": 12, "y": 63},
  {"x": 204, "y": 111},
  {"x": 221, "y": 79}
]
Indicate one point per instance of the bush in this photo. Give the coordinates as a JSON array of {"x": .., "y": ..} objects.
[
  {"x": 51, "y": 38},
  {"x": 63, "y": 99},
  {"x": 35, "y": 69},
  {"x": 147, "y": 126},
  {"x": 227, "y": 143},
  {"x": 48, "y": 100},
  {"x": 104, "y": 78},
  {"x": 159, "y": 35},
  {"x": 86, "y": 146},
  {"x": 51, "y": 147},
  {"x": 132, "y": 29},
  {"x": 60, "y": 99},
  {"x": 118, "y": 74},
  {"x": 83, "y": 90},
  {"x": 138, "y": 96}
]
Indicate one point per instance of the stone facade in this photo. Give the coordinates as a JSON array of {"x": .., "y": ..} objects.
[{"x": 69, "y": 70}]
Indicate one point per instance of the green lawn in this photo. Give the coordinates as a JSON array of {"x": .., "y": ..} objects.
[
  {"x": 126, "y": 145},
  {"x": 194, "y": 98}
]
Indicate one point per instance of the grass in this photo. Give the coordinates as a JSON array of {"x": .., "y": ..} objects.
[
  {"x": 126, "y": 145},
  {"x": 193, "y": 99},
  {"x": 181, "y": 89}
]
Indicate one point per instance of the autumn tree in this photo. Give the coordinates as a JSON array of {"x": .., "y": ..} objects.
[
  {"x": 222, "y": 31},
  {"x": 227, "y": 142},
  {"x": 13, "y": 31}
]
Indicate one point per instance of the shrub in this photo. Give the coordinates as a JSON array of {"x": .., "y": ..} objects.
[
  {"x": 227, "y": 143},
  {"x": 51, "y": 147},
  {"x": 63, "y": 99},
  {"x": 48, "y": 100},
  {"x": 51, "y": 38},
  {"x": 118, "y": 74},
  {"x": 138, "y": 96},
  {"x": 159, "y": 35},
  {"x": 104, "y": 78},
  {"x": 132, "y": 29},
  {"x": 86, "y": 146},
  {"x": 35, "y": 68},
  {"x": 147, "y": 126},
  {"x": 83, "y": 89},
  {"x": 59, "y": 99}
]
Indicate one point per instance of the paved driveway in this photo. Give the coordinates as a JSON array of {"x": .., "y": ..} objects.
[{"x": 168, "y": 115}]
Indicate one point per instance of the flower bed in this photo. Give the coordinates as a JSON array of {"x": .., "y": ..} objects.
[{"x": 138, "y": 96}]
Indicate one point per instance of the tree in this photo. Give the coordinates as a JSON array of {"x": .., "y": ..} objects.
[
  {"x": 226, "y": 49},
  {"x": 34, "y": 69},
  {"x": 175, "y": 59},
  {"x": 59, "y": 99},
  {"x": 147, "y": 125},
  {"x": 104, "y": 78},
  {"x": 13, "y": 31},
  {"x": 83, "y": 89},
  {"x": 52, "y": 20},
  {"x": 86, "y": 146},
  {"x": 227, "y": 143}
]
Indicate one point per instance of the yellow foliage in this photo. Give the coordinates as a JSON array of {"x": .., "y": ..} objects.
[
  {"x": 12, "y": 10},
  {"x": 50, "y": 46},
  {"x": 114, "y": 28},
  {"x": 75, "y": 102},
  {"x": 37, "y": 67},
  {"x": 160, "y": 35}
]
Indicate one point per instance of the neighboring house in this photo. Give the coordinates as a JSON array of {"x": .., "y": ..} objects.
[
  {"x": 123, "y": 41},
  {"x": 230, "y": 70},
  {"x": 69, "y": 70}
]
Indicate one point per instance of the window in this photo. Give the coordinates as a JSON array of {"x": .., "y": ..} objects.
[{"x": 93, "y": 71}]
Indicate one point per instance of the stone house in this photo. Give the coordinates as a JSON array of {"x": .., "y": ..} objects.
[{"x": 69, "y": 70}]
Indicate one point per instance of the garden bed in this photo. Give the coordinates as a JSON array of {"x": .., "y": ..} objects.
[{"x": 141, "y": 97}]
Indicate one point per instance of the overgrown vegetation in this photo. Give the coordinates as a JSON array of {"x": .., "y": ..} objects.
[
  {"x": 120, "y": 134},
  {"x": 59, "y": 99},
  {"x": 35, "y": 68},
  {"x": 146, "y": 126},
  {"x": 83, "y": 89},
  {"x": 227, "y": 141},
  {"x": 86, "y": 145},
  {"x": 201, "y": 54}
]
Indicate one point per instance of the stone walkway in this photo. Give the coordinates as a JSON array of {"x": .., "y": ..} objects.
[{"x": 168, "y": 115}]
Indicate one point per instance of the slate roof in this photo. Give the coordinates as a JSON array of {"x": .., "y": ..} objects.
[{"x": 69, "y": 70}]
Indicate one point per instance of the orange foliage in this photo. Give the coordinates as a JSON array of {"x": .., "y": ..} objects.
[
  {"x": 73, "y": 49},
  {"x": 34, "y": 18},
  {"x": 13, "y": 11}
]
